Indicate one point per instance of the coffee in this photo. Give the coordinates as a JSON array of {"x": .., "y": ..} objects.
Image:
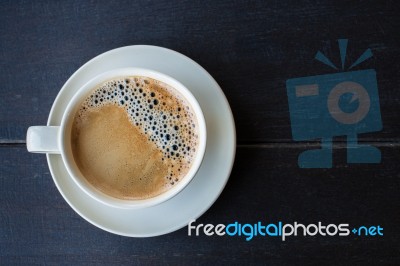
[{"x": 134, "y": 137}]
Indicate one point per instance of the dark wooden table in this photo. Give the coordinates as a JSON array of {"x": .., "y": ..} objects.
[{"x": 251, "y": 48}]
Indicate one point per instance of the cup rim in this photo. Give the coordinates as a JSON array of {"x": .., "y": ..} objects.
[{"x": 73, "y": 170}]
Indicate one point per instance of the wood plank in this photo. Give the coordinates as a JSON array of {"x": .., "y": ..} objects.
[
  {"x": 251, "y": 49},
  {"x": 38, "y": 226}
]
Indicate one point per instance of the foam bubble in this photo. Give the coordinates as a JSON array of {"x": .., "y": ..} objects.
[{"x": 159, "y": 111}]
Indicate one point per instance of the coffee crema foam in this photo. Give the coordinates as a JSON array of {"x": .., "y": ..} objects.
[{"x": 134, "y": 137}]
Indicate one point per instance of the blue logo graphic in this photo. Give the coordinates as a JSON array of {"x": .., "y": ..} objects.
[{"x": 325, "y": 106}]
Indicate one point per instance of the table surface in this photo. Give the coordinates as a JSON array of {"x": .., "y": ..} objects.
[{"x": 251, "y": 48}]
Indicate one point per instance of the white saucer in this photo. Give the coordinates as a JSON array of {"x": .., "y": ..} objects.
[{"x": 209, "y": 181}]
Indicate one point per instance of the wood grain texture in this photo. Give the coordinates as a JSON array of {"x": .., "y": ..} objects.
[
  {"x": 38, "y": 226},
  {"x": 251, "y": 48}
]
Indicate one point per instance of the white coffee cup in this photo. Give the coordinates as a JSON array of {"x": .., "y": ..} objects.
[{"x": 57, "y": 139}]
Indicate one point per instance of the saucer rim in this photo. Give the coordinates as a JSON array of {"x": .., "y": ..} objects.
[{"x": 203, "y": 209}]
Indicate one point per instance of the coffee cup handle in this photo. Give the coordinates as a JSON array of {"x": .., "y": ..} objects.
[{"x": 43, "y": 139}]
